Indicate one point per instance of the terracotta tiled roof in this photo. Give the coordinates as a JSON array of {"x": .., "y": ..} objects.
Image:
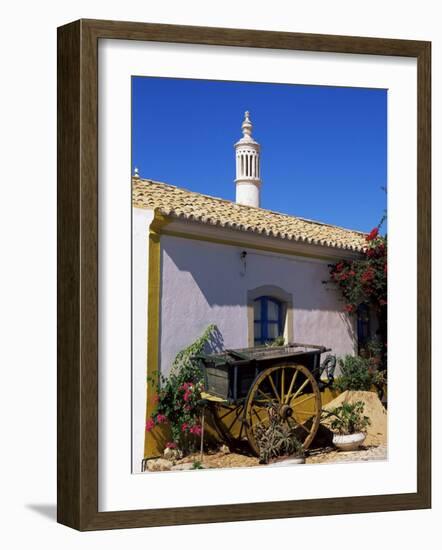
[{"x": 181, "y": 203}]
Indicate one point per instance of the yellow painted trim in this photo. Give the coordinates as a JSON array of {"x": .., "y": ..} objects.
[
  {"x": 242, "y": 244},
  {"x": 154, "y": 440}
]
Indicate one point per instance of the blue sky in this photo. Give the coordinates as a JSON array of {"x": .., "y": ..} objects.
[{"x": 323, "y": 149}]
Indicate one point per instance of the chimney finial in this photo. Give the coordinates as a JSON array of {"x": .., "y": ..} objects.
[
  {"x": 247, "y": 125},
  {"x": 248, "y": 166}
]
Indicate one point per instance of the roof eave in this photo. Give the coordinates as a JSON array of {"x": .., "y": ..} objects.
[{"x": 200, "y": 230}]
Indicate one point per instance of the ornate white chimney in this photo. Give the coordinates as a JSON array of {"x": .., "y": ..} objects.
[{"x": 248, "y": 169}]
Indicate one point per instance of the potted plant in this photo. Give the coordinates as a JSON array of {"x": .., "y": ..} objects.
[
  {"x": 349, "y": 425},
  {"x": 278, "y": 444}
]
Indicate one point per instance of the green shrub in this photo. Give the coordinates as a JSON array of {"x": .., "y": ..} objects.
[
  {"x": 373, "y": 350},
  {"x": 355, "y": 374}
]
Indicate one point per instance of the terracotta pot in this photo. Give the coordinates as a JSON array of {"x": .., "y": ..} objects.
[{"x": 349, "y": 442}]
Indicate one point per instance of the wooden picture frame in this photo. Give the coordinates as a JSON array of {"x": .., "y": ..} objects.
[{"x": 78, "y": 274}]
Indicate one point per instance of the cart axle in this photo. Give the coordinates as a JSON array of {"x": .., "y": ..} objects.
[{"x": 285, "y": 411}]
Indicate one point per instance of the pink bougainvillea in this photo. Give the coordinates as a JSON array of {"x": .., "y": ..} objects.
[
  {"x": 178, "y": 400},
  {"x": 150, "y": 424},
  {"x": 364, "y": 280},
  {"x": 195, "y": 430}
]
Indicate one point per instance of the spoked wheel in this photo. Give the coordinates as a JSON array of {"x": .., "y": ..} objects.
[
  {"x": 228, "y": 422},
  {"x": 291, "y": 391}
]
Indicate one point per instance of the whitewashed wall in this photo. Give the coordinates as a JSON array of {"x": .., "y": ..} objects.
[
  {"x": 140, "y": 263},
  {"x": 205, "y": 283}
]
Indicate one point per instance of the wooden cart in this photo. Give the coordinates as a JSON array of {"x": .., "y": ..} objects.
[{"x": 242, "y": 386}]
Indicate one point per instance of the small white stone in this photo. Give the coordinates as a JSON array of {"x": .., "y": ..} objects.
[
  {"x": 287, "y": 462},
  {"x": 158, "y": 465},
  {"x": 186, "y": 466},
  {"x": 172, "y": 454}
]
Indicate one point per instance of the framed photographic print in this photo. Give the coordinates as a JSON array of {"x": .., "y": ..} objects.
[{"x": 237, "y": 209}]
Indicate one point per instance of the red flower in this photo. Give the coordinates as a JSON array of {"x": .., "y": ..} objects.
[
  {"x": 368, "y": 275},
  {"x": 349, "y": 308},
  {"x": 184, "y": 427},
  {"x": 196, "y": 429},
  {"x": 170, "y": 445},
  {"x": 372, "y": 235},
  {"x": 150, "y": 424},
  {"x": 161, "y": 418},
  {"x": 339, "y": 267}
]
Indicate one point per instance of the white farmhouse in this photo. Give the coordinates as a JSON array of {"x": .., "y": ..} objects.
[{"x": 254, "y": 273}]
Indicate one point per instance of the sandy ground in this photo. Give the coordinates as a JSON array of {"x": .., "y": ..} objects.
[
  {"x": 363, "y": 454},
  {"x": 321, "y": 450},
  {"x": 236, "y": 460},
  {"x": 222, "y": 460}
]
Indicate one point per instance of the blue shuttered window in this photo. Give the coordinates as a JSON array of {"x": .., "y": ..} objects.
[{"x": 267, "y": 319}]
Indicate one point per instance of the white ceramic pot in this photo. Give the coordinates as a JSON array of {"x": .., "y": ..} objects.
[
  {"x": 349, "y": 442},
  {"x": 288, "y": 461}
]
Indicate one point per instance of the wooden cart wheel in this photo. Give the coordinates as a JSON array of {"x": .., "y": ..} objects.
[
  {"x": 293, "y": 392},
  {"x": 228, "y": 421}
]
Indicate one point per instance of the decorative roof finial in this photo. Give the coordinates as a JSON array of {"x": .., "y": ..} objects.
[
  {"x": 248, "y": 166},
  {"x": 136, "y": 174},
  {"x": 247, "y": 125}
]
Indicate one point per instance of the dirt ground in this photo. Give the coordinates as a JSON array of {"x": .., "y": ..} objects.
[
  {"x": 321, "y": 451},
  {"x": 364, "y": 454},
  {"x": 219, "y": 459},
  {"x": 320, "y": 456}
]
